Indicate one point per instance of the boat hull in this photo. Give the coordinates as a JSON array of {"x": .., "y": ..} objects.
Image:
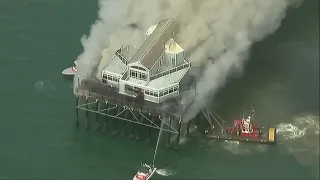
[
  {"x": 69, "y": 71},
  {"x": 268, "y": 136},
  {"x": 148, "y": 177}
]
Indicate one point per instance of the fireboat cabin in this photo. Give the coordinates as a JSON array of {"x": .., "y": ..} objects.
[{"x": 154, "y": 70}]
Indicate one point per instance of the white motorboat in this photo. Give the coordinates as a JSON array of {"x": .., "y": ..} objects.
[
  {"x": 145, "y": 172},
  {"x": 71, "y": 70}
]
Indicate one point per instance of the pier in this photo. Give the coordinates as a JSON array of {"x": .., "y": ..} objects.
[{"x": 105, "y": 104}]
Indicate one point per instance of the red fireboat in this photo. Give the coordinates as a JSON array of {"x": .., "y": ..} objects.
[{"x": 244, "y": 129}]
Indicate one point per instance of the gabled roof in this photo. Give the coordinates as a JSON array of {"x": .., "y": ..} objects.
[{"x": 154, "y": 45}]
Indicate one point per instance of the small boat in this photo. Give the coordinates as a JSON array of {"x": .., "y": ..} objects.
[
  {"x": 71, "y": 70},
  {"x": 145, "y": 172}
]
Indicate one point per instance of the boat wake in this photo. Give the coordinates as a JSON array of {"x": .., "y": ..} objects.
[
  {"x": 165, "y": 172},
  {"x": 301, "y": 139}
]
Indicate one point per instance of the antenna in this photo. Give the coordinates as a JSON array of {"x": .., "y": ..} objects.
[
  {"x": 243, "y": 114},
  {"x": 253, "y": 112}
]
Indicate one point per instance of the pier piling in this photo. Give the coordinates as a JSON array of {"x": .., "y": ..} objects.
[
  {"x": 124, "y": 122},
  {"x": 116, "y": 109},
  {"x": 106, "y": 117},
  {"x": 77, "y": 111},
  {"x": 169, "y": 134},
  {"x": 188, "y": 127},
  {"x": 149, "y": 130},
  {"x": 97, "y": 115},
  {"x": 138, "y": 125},
  {"x": 87, "y": 113},
  {"x": 178, "y": 135}
]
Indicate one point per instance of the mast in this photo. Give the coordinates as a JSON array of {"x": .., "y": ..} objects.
[{"x": 155, "y": 151}]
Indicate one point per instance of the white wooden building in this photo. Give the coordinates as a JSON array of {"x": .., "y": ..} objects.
[{"x": 155, "y": 69}]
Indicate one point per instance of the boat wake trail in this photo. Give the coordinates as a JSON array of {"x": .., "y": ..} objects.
[
  {"x": 165, "y": 172},
  {"x": 301, "y": 139}
]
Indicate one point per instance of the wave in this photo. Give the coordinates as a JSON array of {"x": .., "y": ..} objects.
[
  {"x": 301, "y": 139},
  {"x": 299, "y": 128}
]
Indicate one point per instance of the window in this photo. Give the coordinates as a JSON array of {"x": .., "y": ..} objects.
[
  {"x": 110, "y": 78},
  {"x": 161, "y": 93},
  {"x": 138, "y": 75},
  {"x": 143, "y": 76},
  {"x": 174, "y": 60},
  {"x": 133, "y": 74},
  {"x": 175, "y": 89},
  {"x": 137, "y": 67},
  {"x": 170, "y": 90},
  {"x": 151, "y": 93}
]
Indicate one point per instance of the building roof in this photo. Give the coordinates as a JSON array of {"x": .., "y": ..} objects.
[
  {"x": 167, "y": 80},
  {"x": 115, "y": 66},
  {"x": 126, "y": 52},
  {"x": 154, "y": 46}
]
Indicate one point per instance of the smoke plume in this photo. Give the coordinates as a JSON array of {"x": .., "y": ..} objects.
[{"x": 216, "y": 34}]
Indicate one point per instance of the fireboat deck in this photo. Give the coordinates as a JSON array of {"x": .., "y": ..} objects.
[{"x": 268, "y": 136}]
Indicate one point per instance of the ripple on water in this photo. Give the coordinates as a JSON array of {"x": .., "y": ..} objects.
[
  {"x": 235, "y": 147},
  {"x": 43, "y": 86}
]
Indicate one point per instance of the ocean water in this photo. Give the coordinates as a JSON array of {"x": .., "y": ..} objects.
[{"x": 37, "y": 111}]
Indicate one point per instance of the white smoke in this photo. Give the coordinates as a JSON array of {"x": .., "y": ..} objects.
[{"x": 222, "y": 29}]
